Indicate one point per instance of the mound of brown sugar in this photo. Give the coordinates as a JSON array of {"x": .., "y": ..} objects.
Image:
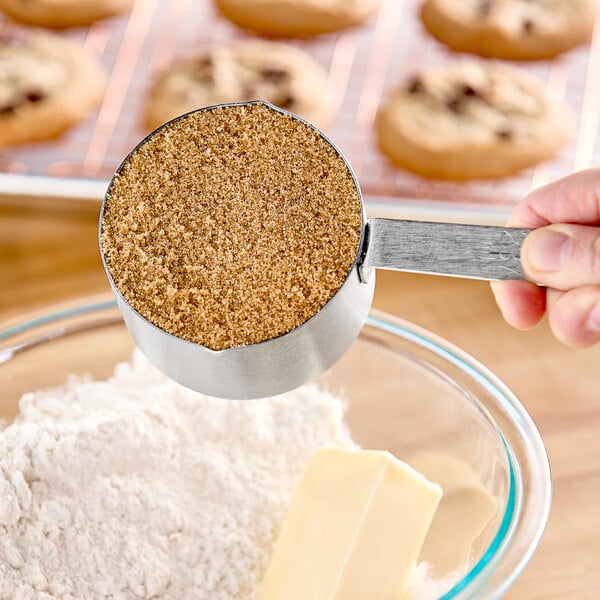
[{"x": 231, "y": 226}]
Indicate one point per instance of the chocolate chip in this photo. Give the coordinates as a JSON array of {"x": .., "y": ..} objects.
[
  {"x": 464, "y": 92},
  {"x": 287, "y": 101},
  {"x": 485, "y": 8},
  {"x": 528, "y": 25},
  {"x": 274, "y": 74},
  {"x": 454, "y": 104},
  {"x": 415, "y": 85},
  {"x": 468, "y": 90},
  {"x": 205, "y": 62},
  {"x": 35, "y": 95},
  {"x": 506, "y": 133},
  {"x": 9, "y": 107},
  {"x": 203, "y": 70}
]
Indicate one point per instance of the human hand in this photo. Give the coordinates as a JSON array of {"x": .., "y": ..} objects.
[{"x": 562, "y": 254}]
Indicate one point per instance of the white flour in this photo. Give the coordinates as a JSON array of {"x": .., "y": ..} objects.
[{"x": 137, "y": 488}]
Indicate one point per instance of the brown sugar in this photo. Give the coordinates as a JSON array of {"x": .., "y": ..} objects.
[{"x": 231, "y": 226}]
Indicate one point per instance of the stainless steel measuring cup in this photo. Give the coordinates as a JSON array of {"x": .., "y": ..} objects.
[{"x": 285, "y": 362}]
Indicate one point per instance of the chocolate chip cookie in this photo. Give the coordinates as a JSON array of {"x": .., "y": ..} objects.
[
  {"x": 241, "y": 71},
  {"x": 47, "y": 84},
  {"x": 471, "y": 120},
  {"x": 62, "y": 13},
  {"x": 297, "y": 17},
  {"x": 510, "y": 29}
]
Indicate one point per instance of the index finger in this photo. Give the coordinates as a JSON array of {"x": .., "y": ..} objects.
[{"x": 572, "y": 199}]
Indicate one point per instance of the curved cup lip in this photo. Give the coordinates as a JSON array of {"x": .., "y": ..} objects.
[
  {"x": 265, "y": 368},
  {"x": 150, "y": 341}
]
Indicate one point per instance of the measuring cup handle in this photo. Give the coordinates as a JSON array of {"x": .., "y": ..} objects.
[{"x": 459, "y": 250}]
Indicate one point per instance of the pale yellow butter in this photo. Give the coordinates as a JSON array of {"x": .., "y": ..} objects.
[
  {"x": 464, "y": 522},
  {"x": 353, "y": 530}
]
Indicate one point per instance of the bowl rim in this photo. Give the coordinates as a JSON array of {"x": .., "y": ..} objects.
[
  {"x": 517, "y": 504},
  {"x": 499, "y": 549}
]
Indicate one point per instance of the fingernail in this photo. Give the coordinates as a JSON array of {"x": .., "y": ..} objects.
[
  {"x": 548, "y": 250},
  {"x": 593, "y": 320}
]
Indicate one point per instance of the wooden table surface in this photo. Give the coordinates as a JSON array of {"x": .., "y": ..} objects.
[{"x": 48, "y": 254}]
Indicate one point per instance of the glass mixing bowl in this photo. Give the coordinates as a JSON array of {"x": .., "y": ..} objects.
[{"x": 408, "y": 391}]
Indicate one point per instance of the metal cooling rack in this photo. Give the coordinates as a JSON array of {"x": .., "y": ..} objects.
[{"x": 363, "y": 65}]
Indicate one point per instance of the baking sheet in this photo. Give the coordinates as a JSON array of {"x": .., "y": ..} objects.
[{"x": 363, "y": 65}]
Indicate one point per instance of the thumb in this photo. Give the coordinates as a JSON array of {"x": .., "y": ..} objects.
[{"x": 563, "y": 256}]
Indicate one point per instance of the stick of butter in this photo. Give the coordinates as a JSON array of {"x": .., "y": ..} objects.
[
  {"x": 353, "y": 530},
  {"x": 463, "y": 518}
]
